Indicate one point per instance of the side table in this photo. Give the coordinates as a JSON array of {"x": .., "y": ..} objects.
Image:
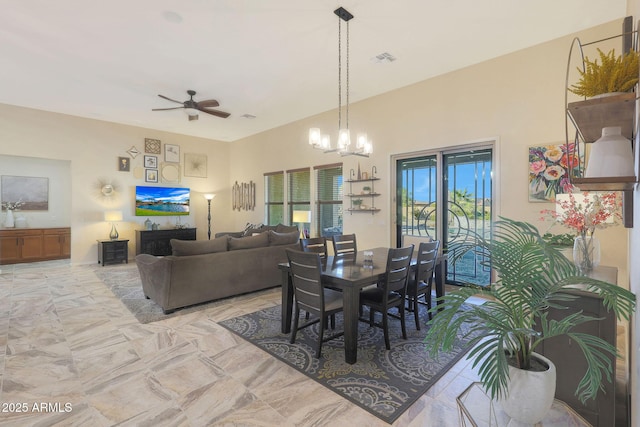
[
  {"x": 113, "y": 251},
  {"x": 475, "y": 409}
]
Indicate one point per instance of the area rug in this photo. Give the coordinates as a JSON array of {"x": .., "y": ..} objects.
[
  {"x": 385, "y": 383},
  {"x": 124, "y": 281}
]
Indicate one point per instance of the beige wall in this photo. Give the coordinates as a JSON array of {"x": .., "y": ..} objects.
[
  {"x": 91, "y": 149},
  {"x": 517, "y": 100}
]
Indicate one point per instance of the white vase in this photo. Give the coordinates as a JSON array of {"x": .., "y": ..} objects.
[
  {"x": 530, "y": 393},
  {"x": 586, "y": 253},
  {"x": 8, "y": 221}
]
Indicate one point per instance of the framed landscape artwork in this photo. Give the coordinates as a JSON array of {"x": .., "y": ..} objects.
[
  {"x": 549, "y": 169},
  {"x": 32, "y": 191}
]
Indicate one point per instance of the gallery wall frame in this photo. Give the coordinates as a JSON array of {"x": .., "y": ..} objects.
[
  {"x": 151, "y": 175},
  {"x": 152, "y": 146},
  {"x": 195, "y": 165},
  {"x": 151, "y": 162},
  {"x": 172, "y": 153},
  {"x": 32, "y": 191},
  {"x": 124, "y": 165}
]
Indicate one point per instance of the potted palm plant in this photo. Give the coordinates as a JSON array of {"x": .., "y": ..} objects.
[{"x": 532, "y": 276}]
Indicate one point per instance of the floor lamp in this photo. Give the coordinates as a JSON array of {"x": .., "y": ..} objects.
[
  {"x": 209, "y": 197},
  {"x": 302, "y": 217}
]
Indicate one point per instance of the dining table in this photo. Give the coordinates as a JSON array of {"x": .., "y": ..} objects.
[{"x": 350, "y": 274}]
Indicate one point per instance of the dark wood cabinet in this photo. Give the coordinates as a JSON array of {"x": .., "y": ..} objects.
[
  {"x": 34, "y": 244},
  {"x": 157, "y": 242},
  {"x": 113, "y": 251},
  {"x": 610, "y": 407}
]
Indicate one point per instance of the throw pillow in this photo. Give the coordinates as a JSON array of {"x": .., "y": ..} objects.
[
  {"x": 276, "y": 238},
  {"x": 281, "y": 228},
  {"x": 257, "y": 241},
  {"x": 197, "y": 247}
]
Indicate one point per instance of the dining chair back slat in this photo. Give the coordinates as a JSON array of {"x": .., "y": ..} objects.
[
  {"x": 315, "y": 244},
  {"x": 344, "y": 245}
]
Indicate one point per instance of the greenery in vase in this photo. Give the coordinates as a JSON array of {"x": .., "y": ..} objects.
[
  {"x": 357, "y": 202},
  {"x": 613, "y": 74},
  {"x": 533, "y": 276},
  {"x": 559, "y": 240}
]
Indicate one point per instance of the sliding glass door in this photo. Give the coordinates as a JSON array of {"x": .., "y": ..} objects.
[{"x": 447, "y": 195}]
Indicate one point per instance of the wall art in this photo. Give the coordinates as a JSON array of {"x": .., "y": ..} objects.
[
  {"x": 151, "y": 162},
  {"x": 195, "y": 165},
  {"x": 170, "y": 173},
  {"x": 151, "y": 175},
  {"x": 133, "y": 152},
  {"x": 124, "y": 164},
  {"x": 549, "y": 169},
  {"x": 152, "y": 146},
  {"x": 171, "y": 153},
  {"x": 31, "y": 192},
  {"x": 243, "y": 196}
]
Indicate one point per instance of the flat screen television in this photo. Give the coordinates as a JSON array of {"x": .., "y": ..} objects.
[{"x": 162, "y": 201}]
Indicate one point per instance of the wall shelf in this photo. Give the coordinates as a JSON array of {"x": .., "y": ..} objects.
[{"x": 357, "y": 199}]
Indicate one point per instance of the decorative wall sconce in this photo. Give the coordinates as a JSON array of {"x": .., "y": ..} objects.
[{"x": 244, "y": 196}]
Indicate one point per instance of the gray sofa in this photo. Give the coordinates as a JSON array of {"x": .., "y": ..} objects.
[{"x": 200, "y": 271}]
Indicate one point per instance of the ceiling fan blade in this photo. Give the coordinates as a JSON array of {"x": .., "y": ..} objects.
[
  {"x": 162, "y": 109},
  {"x": 208, "y": 103},
  {"x": 172, "y": 100},
  {"x": 216, "y": 113}
]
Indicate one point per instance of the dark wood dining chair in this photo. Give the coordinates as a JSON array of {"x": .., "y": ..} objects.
[
  {"x": 344, "y": 245},
  {"x": 311, "y": 296},
  {"x": 315, "y": 244},
  {"x": 391, "y": 292},
  {"x": 421, "y": 284}
]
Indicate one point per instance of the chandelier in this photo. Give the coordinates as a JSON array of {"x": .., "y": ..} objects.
[{"x": 322, "y": 141}]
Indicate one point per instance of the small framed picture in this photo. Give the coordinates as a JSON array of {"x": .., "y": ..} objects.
[
  {"x": 124, "y": 165},
  {"x": 172, "y": 153},
  {"x": 151, "y": 175},
  {"x": 152, "y": 146},
  {"x": 151, "y": 162}
]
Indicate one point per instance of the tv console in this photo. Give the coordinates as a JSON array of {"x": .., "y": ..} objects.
[{"x": 157, "y": 242}]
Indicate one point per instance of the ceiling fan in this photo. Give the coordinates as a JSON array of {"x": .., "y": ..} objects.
[{"x": 192, "y": 107}]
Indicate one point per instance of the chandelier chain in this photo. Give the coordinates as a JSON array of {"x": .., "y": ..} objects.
[
  {"x": 347, "y": 115},
  {"x": 339, "y": 73}
]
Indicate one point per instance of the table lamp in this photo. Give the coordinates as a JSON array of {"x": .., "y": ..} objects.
[
  {"x": 302, "y": 217},
  {"x": 113, "y": 217}
]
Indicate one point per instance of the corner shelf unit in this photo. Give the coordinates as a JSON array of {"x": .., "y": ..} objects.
[
  {"x": 370, "y": 195},
  {"x": 589, "y": 116}
]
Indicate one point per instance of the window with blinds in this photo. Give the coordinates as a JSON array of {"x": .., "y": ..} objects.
[
  {"x": 329, "y": 213},
  {"x": 299, "y": 181},
  {"x": 274, "y": 198}
]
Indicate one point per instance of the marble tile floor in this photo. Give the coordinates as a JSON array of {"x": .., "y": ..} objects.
[{"x": 71, "y": 354}]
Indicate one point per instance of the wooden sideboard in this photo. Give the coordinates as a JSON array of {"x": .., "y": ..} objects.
[
  {"x": 34, "y": 244},
  {"x": 157, "y": 242}
]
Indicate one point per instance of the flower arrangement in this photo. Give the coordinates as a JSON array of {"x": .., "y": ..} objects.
[
  {"x": 549, "y": 169},
  {"x": 584, "y": 213},
  {"x": 614, "y": 74},
  {"x": 11, "y": 206}
]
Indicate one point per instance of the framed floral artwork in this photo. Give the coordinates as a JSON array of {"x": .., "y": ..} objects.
[{"x": 549, "y": 169}]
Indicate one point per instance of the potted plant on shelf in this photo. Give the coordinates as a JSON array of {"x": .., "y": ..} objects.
[
  {"x": 532, "y": 276},
  {"x": 613, "y": 74},
  {"x": 366, "y": 189},
  {"x": 356, "y": 203}
]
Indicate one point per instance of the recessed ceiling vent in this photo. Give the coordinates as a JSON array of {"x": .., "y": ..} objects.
[{"x": 383, "y": 58}]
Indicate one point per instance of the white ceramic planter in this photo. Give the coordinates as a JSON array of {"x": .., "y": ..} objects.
[{"x": 530, "y": 393}]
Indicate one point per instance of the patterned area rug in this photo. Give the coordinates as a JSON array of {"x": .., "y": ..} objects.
[{"x": 385, "y": 383}]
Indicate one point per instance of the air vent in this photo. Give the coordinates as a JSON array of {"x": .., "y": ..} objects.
[
  {"x": 248, "y": 116},
  {"x": 383, "y": 58}
]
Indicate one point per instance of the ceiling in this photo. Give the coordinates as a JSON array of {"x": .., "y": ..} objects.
[{"x": 275, "y": 60}]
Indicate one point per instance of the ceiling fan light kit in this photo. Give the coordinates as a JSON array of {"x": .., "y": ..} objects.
[
  {"x": 192, "y": 108},
  {"x": 317, "y": 139}
]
